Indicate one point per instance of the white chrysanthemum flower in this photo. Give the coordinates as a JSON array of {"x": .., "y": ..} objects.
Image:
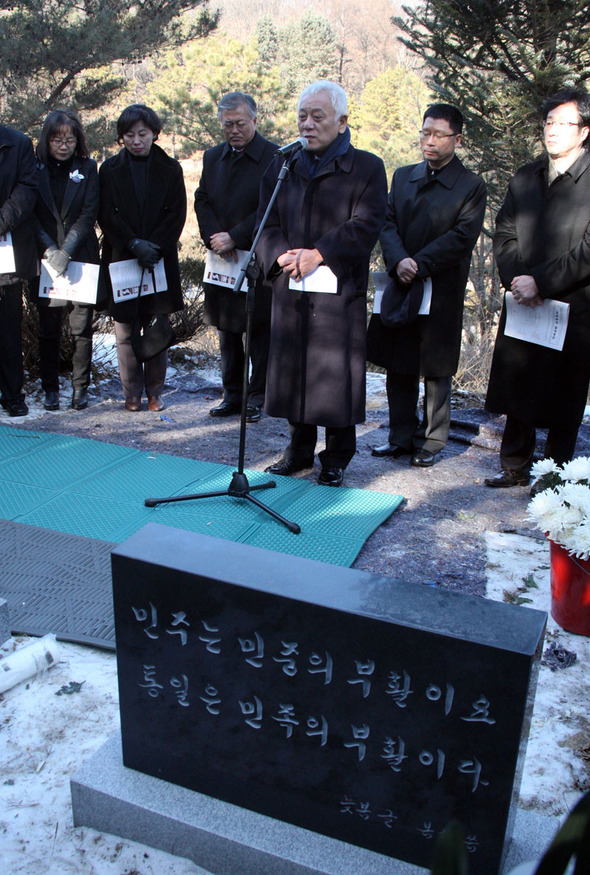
[
  {"x": 543, "y": 466},
  {"x": 544, "y": 504},
  {"x": 576, "y": 496},
  {"x": 562, "y": 511},
  {"x": 577, "y": 469},
  {"x": 579, "y": 541}
]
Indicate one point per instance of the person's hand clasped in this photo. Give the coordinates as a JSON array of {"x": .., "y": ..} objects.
[
  {"x": 406, "y": 270},
  {"x": 525, "y": 291},
  {"x": 298, "y": 263},
  {"x": 147, "y": 253},
  {"x": 58, "y": 260},
  {"x": 222, "y": 244}
]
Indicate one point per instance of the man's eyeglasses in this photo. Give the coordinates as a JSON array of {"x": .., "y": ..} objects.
[
  {"x": 240, "y": 125},
  {"x": 59, "y": 141},
  {"x": 436, "y": 135},
  {"x": 553, "y": 124}
]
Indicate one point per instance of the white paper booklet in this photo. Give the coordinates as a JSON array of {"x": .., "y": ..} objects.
[
  {"x": 426, "y": 297},
  {"x": 126, "y": 277},
  {"x": 545, "y": 325},
  {"x": 319, "y": 280},
  {"x": 380, "y": 278},
  {"x": 224, "y": 271},
  {"x": 79, "y": 283},
  {"x": 7, "y": 264}
]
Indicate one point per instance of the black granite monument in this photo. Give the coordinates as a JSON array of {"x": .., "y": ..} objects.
[{"x": 361, "y": 707}]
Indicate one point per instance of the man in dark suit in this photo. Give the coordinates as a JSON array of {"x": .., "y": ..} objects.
[
  {"x": 436, "y": 210},
  {"x": 225, "y": 204},
  {"x": 18, "y": 193},
  {"x": 541, "y": 246},
  {"x": 327, "y": 214}
]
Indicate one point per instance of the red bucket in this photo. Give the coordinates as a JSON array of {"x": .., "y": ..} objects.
[{"x": 570, "y": 590}]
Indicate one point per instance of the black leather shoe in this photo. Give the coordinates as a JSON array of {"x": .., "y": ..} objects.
[
  {"x": 51, "y": 401},
  {"x": 226, "y": 408},
  {"x": 331, "y": 477},
  {"x": 508, "y": 477},
  {"x": 391, "y": 450},
  {"x": 422, "y": 459},
  {"x": 15, "y": 408},
  {"x": 253, "y": 413},
  {"x": 80, "y": 399},
  {"x": 284, "y": 467}
]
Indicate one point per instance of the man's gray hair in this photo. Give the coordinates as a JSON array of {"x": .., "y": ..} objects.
[
  {"x": 336, "y": 92},
  {"x": 234, "y": 100}
]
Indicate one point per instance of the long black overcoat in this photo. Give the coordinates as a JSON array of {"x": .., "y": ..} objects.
[
  {"x": 227, "y": 200},
  {"x": 72, "y": 227},
  {"x": 161, "y": 222},
  {"x": 317, "y": 362},
  {"x": 544, "y": 231},
  {"x": 436, "y": 221},
  {"x": 18, "y": 194}
]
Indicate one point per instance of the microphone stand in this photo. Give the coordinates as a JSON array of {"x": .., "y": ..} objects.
[{"x": 239, "y": 486}]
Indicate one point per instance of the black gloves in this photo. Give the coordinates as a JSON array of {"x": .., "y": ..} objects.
[
  {"x": 146, "y": 253},
  {"x": 58, "y": 259}
]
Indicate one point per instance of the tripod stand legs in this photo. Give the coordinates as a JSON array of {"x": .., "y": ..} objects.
[{"x": 238, "y": 488}]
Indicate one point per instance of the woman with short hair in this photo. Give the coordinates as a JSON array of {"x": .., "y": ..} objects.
[
  {"x": 142, "y": 214},
  {"x": 65, "y": 216}
]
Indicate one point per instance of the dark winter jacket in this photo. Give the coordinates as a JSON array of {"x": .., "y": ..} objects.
[
  {"x": 317, "y": 363},
  {"x": 160, "y": 221},
  {"x": 544, "y": 231},
  {"x": 436, "y": 221},
  {"x": 18, "y": 193}
]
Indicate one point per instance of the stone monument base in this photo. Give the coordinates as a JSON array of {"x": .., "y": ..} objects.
[{"x": 226, "y": 839}]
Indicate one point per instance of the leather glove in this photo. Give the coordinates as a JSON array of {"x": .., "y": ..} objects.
[
  {"x": 146, "y": 253},
  {"x": 58, "y": 259}
]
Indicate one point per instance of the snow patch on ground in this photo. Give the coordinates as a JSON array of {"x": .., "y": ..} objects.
[{"x": 557, "y": 766}]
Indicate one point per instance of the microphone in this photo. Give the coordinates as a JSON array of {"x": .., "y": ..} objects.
[{"x": 291, "y": 148}]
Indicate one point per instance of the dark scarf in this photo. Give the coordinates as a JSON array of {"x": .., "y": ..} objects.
[
  {"x": 59, "y": 172},
  {"x": 313, "y": 163},
  {"x": 140, "y": 173}
]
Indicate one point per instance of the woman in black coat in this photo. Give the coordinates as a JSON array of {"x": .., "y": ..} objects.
[
  {"x": 142, "y": 213},
  {"x": 65, "y": 216}
]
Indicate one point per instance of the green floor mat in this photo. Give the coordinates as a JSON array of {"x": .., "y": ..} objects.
[{"x": 97, "y": 490}]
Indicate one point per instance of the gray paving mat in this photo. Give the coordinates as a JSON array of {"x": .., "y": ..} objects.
[{"x": 56, "y": 582}]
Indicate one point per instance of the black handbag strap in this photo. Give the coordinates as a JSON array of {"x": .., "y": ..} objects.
[{"x": 136, "y": 320}]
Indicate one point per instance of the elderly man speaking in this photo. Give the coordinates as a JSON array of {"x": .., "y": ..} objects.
[{"x": 327, "y": 215}]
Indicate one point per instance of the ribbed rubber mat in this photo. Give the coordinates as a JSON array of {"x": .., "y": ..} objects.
[
  {"x": 79, "y": 497},
  {"x": 97, "y": 490},
  {"x": 57, "y": 583}
]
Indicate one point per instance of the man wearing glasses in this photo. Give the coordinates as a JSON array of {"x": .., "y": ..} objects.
[
  {"x": 225, "y": 203},
  {"x": 542, "y": 250},
  {"x": 435, "y": 213}
]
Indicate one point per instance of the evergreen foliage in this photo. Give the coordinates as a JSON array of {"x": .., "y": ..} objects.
[
  {"x": 188, "y": 85},
  {"x": 388, "y": 115},
  {"x": 497, "y": 60},
  {"x": 61, "y": 53}
]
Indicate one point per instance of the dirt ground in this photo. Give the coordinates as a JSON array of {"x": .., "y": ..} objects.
[{"x": 435, "y": 537}]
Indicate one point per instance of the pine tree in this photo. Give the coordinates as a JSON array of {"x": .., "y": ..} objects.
[
  {"x": 61, "y": 53},
  {"x": 497, "y": 60}
]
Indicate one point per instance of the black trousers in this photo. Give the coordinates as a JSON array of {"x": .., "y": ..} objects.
[
  {"x": 231, "y": 345},
  {"x": 405, "y": 429},
  {"x": 340, "y": 444},
  {"x": 518, "y": 444},
  {"x": 50, "y": 325},
  {"x": 11, "y": 345}
]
